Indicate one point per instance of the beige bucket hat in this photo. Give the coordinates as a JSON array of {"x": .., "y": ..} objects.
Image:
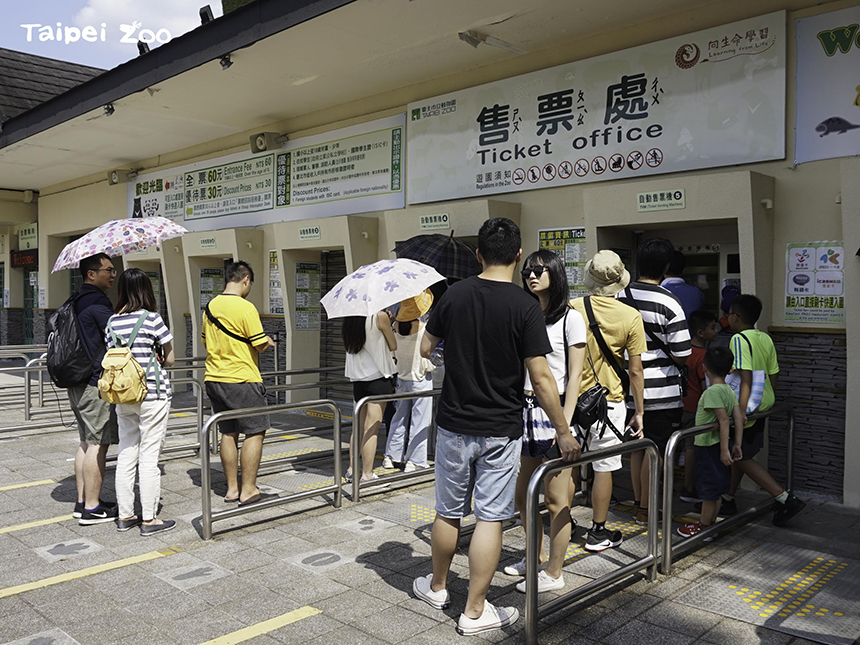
[{"x": 605, "y": 274}]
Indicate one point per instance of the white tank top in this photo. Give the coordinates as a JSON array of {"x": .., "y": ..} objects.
[
  {"x": 374, "y": 361},
  {"x": 411, "y": 366}
]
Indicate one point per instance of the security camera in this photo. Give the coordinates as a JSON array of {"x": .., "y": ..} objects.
[
  {"x": 120, "y": 176},
  {"x": 263, "y": 141}
]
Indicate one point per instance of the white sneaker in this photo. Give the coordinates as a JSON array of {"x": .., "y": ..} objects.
[
  {"x": 517, "y": 570},
  {"x": 411, "y": 468},
  {"x": 436, "y": 599},
  {"x": 492, "y": 618},
  {"x": 387, "y": 463},
  {"x": 545, "y": 583}
]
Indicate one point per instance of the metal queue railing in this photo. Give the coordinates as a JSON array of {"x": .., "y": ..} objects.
[
  {"x": 358, "y": 431},
  {"x": 686, "y": 545},
  {"x": 209, "y": 517},
  {"x": 534, "y": 612}
]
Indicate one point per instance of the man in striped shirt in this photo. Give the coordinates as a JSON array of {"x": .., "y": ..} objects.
[{"x": 668, "y": 348}]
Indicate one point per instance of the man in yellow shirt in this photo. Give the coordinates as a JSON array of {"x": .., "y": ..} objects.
[
  {"x": 234, "y": 336},
  {"x": 621, "y": 330}
]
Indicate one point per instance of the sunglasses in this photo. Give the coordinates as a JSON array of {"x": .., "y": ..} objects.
[{"x": 538, "y": 270}]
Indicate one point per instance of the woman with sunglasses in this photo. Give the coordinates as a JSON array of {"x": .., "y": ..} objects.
[{"x": 544, "y": 278}]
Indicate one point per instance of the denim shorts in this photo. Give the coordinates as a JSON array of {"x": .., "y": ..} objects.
[{"x": 485, "y": 467}]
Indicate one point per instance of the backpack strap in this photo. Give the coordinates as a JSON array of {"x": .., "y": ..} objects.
[
  {"x": 119, "y": 341},
  {"x": 661, "y": 345},
  {"x": 220, "y": 326},
  {"x": 604, "y": 348}
]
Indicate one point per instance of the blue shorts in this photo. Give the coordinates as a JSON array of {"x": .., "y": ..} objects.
[
  {"x": 713, "y": 477},
  {"x": 485, "y": 467}
]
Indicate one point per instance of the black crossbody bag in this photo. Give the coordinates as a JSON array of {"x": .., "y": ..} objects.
[{"x": 684, "y": 372}]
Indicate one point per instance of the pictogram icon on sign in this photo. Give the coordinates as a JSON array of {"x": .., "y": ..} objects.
[
  {"x": 598, "y": 165},
  {"x": 565, "y": 169},
  {"x": 549, "y": 172},
  {"x": 519, "y": 176},
  {"x": 581, "y": 167},
  {"x": 634, "y": 160},
  {"x": 616, "y": 162},
  {"x": 534, "y": 174},
  {"x": 654, "y": 157}
]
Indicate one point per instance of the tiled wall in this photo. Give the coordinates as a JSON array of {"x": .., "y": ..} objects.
[{"x": 812, "y": 377}]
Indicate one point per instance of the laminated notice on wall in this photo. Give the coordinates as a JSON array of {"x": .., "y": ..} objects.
[
  {"x": 211, "y": 285},
  {"x": 307, "y": 300},
  {"x": 569, "y": 245},
  {"x": 276, "y": 293},
  {"x": 814, "y": 284}
]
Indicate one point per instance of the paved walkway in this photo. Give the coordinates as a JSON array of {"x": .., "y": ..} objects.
[{"x": 308, "y": 573}]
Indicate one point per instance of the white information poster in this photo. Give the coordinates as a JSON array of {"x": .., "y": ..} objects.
[
  {"x": 569, "y": 245},
  {"x": 814, "y": 283},
  {"x": 827, "y": 121},
  {"x": 307, "y": 300},
  {"x": 703, "y": 100},
  {"x": 352, "y": 170},
  {"x": 276, "y": 293},
  {"x": 211, "y": 284}
]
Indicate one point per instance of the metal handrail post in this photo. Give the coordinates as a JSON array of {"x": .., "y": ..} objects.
[
  {"x": 355, "y": 453},
  {"x": 669, "y": 550},
  {"x": 41, "y": 382},
  {"x": 26, "y": 396},
  {"x": 789, "y": 451},
  {"x": 532, "y": 520},
  {"x": 278, "y": 367},
  {"x": 358, "y": 431},
  {"x": 208, "y": 517}
]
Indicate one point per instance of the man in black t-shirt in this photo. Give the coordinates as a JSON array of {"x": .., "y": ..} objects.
[{"x": 493, "y": 332}]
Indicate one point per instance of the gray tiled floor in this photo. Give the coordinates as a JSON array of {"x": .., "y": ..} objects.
[{"x": 275, "y": 562}]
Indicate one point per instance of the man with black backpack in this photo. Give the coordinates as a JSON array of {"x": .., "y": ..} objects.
[
  {"x": 96, "y": 418},
  {"x": 613, "y": 329}
]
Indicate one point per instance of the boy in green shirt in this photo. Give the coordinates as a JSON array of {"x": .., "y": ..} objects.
[
  {"x": 714, "y": 457},
  {"x": 753, "y": 350}
]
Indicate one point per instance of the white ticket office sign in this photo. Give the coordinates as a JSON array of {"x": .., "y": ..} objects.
[
  {"x": 708, "y": 99},
  {"x": 352, "y": 170}
]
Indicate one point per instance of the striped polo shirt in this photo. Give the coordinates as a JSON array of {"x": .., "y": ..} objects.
[
  {"x": 663, "y": 317},
  {"x": 152, "y": 332}
]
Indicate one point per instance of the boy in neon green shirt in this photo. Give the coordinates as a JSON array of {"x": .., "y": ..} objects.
[
  {"x": 754, "y": 351},
  {"x": 714, "y": 457}
]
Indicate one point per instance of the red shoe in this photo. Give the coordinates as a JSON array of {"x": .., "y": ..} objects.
[{"x": 689, "y": 530}]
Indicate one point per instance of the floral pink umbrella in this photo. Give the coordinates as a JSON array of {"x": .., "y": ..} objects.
[{"x": 118, "y": 237}]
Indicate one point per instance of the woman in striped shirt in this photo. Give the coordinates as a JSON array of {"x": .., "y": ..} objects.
[{"x": 142, "y": 426}]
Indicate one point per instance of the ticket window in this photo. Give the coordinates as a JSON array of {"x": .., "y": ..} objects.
[{"x": 711, "y": 251}]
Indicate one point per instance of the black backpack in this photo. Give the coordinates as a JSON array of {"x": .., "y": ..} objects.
[{"x": 69, "y": 363}]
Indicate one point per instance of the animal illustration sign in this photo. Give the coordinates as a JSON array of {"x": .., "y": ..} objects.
[{"x": 828, "y": 86}]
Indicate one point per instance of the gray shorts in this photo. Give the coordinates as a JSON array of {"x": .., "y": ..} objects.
[
  {"x": 237, "y": 396},
  {"x": 484, "y": 466},
  {"x": 96, "y": 417}
]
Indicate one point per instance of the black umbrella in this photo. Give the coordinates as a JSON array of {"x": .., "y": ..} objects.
[{"x": 451, "y": 257}]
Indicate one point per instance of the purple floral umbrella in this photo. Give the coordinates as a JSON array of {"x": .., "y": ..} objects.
[
  {"x": 376, "y": 286},
  {"x": 118, "y": 237}
]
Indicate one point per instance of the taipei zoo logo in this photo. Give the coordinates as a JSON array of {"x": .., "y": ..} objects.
[{"x": 67, "y": 34}]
